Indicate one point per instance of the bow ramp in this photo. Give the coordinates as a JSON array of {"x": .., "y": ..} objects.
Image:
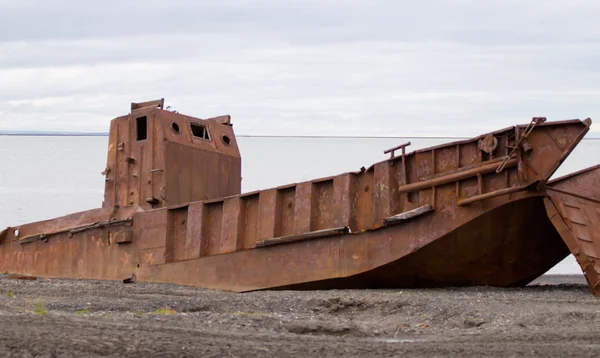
[{"x": 573, "y": 206}]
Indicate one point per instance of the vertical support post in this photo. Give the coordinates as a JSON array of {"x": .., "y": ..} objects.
[
  {"x": 193, "y": 240},
  {"x": 341, "y": 200},
  {"x": 302, "y": 209},
  {"x": 433, "y": 161},
  {"x": 231, "y": 225},
  {"x": 406, "y": 196},
  {"x": 267, "y": 214},
  {"x": 382, "y": 192}
]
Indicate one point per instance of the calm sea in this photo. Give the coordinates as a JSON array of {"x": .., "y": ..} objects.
[{"x": 45, "y": 177}]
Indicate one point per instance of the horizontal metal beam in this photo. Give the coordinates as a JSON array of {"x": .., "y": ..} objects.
[
  {"x": 492, "y": 194},
  {"x": 75, "y": 230},
  {"x": 305, "y": 236},
  {"x": 578, "y": 196},
  {"x": 458, "y": 175},
  {"x": 407, "y": 215}
]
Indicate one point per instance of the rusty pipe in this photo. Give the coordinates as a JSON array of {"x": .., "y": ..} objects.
[
  {"x": 454, "y": 177},
  {"x": 491, "y": 194}
]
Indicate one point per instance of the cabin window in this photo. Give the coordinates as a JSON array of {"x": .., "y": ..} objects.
[
  {"x": 200, "y": 131},
  {"x": 175, "y": 127},
  {"x": 142, "y": 128}
]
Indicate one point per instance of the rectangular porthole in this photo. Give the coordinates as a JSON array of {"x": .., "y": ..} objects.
[
  {"x": 142, "y": 128},
  {"x": 200, "y": 131}
]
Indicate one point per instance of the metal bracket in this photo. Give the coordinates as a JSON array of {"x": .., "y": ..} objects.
[{"x": 534, "y": 121}]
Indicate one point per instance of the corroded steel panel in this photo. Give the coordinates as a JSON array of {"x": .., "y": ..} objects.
[
  {"x": 382, "y": 191},
  {"x": 342, "y": 192},
  {"x": 212, "y": 229},
  {"x": 267, "y": 214},
  {"x": 573, "y": 206},
  {"x": 322, "y": 205},
  {"x": 176, "y": 241},
  {"x": 286, "y": 202},
  {"x": 156, "y": 158},
  {"x": 249, "y": 213},
  {"x": 194, "y": 230},
  {"x": 231, "y": 226},
  {"x": 302, "y": 207}
]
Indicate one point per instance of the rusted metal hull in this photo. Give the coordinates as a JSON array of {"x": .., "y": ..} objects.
[
  {"x": 460, "y": 214},
  {"x": 499, "y": 247}
]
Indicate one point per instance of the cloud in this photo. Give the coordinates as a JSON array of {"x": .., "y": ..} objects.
[{"x": 301, "y": 67}]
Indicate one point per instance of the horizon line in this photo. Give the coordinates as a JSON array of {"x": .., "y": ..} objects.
[
  {"x": 84, "y": 134},
  {"x": 105, "y": 134}
]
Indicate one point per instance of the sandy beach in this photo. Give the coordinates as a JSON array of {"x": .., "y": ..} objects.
[{"x": 554, "y": 316}]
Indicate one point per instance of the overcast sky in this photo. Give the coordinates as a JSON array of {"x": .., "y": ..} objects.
[{"x": 322, "y": 67}]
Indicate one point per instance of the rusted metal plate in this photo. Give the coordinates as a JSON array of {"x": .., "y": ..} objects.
[
  {"x": 573, "y": 206},
  {"x": 173, "y": 212},
  {"x": 158, "y": 158}
]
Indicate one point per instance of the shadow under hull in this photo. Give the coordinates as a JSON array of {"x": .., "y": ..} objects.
[{"x": 499, "y": 248}]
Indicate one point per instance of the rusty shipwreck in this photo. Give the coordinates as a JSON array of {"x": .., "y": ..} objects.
[{"x": 472, "y": 212}]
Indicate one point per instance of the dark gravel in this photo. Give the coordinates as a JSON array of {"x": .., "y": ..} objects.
[{"x": 555, "y": 316}]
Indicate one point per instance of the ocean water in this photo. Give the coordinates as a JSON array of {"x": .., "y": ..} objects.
[{"x": 45, "y": 177}]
